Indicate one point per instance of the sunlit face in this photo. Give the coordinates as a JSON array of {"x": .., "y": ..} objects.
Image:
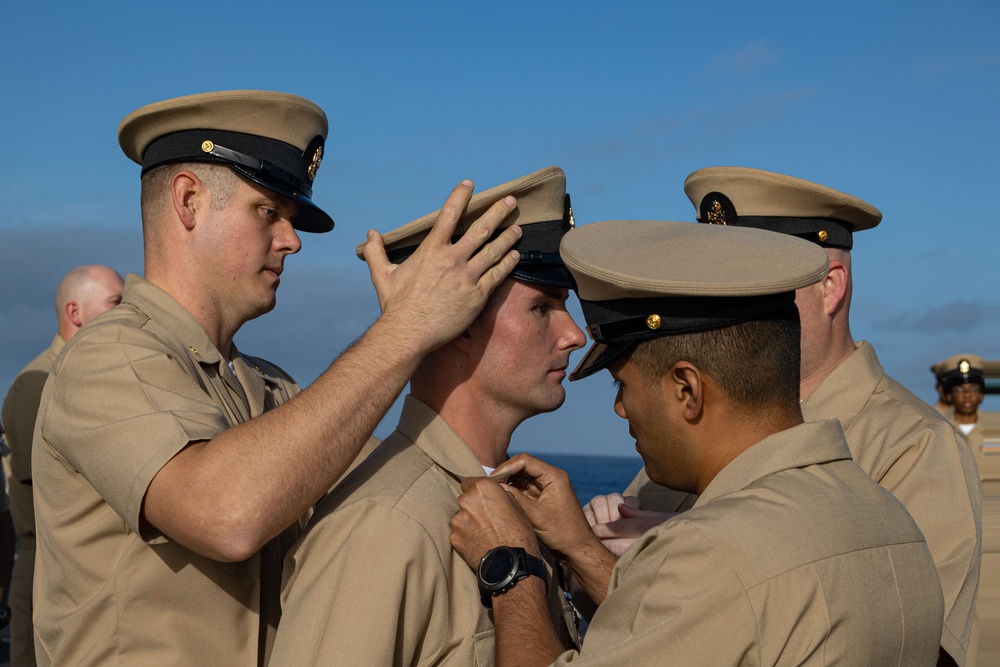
[
  {"x": 521, "y": 345},
  {"x": 103, "y": 292},
  {"x": 245, "y": 246},
  {"x": 641, "y": 401},
  {"x": 965, "y": 398}
]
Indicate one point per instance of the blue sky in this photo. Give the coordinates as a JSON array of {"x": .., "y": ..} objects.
[{"x": 892, "y": 102}]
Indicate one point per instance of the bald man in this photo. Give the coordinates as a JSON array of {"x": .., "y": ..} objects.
[{"x": 82, "y": 294}]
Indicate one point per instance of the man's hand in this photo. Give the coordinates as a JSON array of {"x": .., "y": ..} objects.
[
  {"x": 619, "y": 525},
  {"x": 439, "y": 290},
  {"x": 545, "y": 494},
  {"x": 605, "y": 509},
  {"x": 488, "y": 517}
]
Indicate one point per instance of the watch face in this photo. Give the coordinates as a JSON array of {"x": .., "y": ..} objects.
[{"x": 498, "y": 567}]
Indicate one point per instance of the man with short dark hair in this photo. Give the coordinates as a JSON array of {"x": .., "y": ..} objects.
[
  {"x": 894, "y": 436},
  {"x": 791, "y": 555}
]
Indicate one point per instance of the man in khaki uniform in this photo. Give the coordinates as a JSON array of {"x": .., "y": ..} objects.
[
  {"x": 170, "y": 468},
  {"x": 941, "y": 404},
  {"x": 374, "y": 581},
  {"x": 82, "y": 294},
  {"x": 964, "y": 383},
  {"x": 896, "y": 438},
  {"x": 792, "y": 555}
]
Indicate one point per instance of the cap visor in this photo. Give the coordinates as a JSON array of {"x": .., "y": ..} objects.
[{"x": 599, "y": 356}]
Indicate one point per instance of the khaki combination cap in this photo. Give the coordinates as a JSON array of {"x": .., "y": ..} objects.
[
  {"x": 960, "y": 369},
  {"x": 640, "y": 279},
  {"x": 742, "y": 197},
  {"x": 273, "y": 139},
  {"x": 543, "y": 212}
]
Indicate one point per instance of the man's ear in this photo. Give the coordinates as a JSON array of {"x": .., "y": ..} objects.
[
  {"x": 835, "y": 286},
  {"x": 463, "y": 341},
  {"x": 188, "y": 195},
  {"x": 73, "y": 313},
  {"x": 684, "y": 383}
]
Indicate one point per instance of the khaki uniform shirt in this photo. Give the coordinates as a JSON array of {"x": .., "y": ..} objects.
[
  {"x": 375, "y": 580},
  {"x": 19, "y": 410},
  {"x": 909, "y": 449},
  {"x": 984, "y": 442},
  {"x": 792, "y": 556},
  {"x": 130, "y": 390}
]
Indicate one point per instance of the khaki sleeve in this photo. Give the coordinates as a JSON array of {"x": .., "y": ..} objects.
[
  {"x": 676, "y": 601},
  {"x": 118, "y": 411},
  {"x": 365, "y": 587},
  {"x": 936, "y": 480},
  {"x": 20, "y": 409}
]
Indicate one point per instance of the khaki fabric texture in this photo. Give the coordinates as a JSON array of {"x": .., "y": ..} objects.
[
  {"x": 909, "y": 449},
  {"x": 20, "y": 408},
  {"x": 541, "y": 197},
  {"x": 281, "y": 116},
  {"x": 375, "y": 581},
  {"x": 792, "y": 556},
  {"x": 637, "y": 259},
  {"x": 756, "y": 192},
  {"x": 984, "y": 648},
  {"x": 130, "y": 390}
]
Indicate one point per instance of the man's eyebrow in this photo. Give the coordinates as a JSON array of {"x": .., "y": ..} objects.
[{"x": 558, "y": 295}]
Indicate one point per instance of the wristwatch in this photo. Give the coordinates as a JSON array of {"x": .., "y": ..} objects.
[{"x": 502, "y": 567}]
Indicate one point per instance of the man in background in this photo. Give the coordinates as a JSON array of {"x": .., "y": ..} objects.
[
  {"x": 941, "y": 404},
  {"x": 895, "y": 437},
  {"x": 963, "y": 381},
  {"x": 82, "y": 294},
  {"x": 388, "y": 522}
]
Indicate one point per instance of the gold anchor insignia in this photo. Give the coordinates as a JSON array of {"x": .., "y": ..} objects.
[
  {"x": 314, "y": 165},
  {"x": 823, "y": 236},
  {"x": 194, "y": 350},
  {"x": 964, "y": 366},
  {"x": 207, "y": 146},
  {"x": 654, "y": 322},
  {"x": 572, "y": 221},
  {"x": 716, "y": 216}
]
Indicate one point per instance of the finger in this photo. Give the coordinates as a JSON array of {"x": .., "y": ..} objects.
[
  {"x": 374, "y": 254},
  {"x": 480, "y": 231},
  {"x": 632, "y": 502},
  {"x": 490, "y": 263},
  {"x": 599, "y": 507},
  {"x": 451, "y": 212}
]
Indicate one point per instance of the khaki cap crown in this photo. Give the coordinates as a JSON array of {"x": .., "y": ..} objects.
[
  {"x": 740, "y": 196},
  {"x": 638, "y": 279},
  {"x": 273, "y": 139},
  {"x": 543, "y": 212}
]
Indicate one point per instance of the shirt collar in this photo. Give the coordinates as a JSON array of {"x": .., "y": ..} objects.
[
  {"x": 800, "y": 446},
  {"x": 432, "y": 434}
]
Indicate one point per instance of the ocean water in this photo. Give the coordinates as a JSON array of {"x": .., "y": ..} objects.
[{"x": 595, "y": 475}]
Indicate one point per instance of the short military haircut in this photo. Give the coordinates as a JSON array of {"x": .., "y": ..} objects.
[
  {"x": 220, "y": 181},
  {"x": 756, "y": 363}
]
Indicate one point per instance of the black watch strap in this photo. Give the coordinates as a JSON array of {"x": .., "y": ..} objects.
[{"x": 527, "y": 565}]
